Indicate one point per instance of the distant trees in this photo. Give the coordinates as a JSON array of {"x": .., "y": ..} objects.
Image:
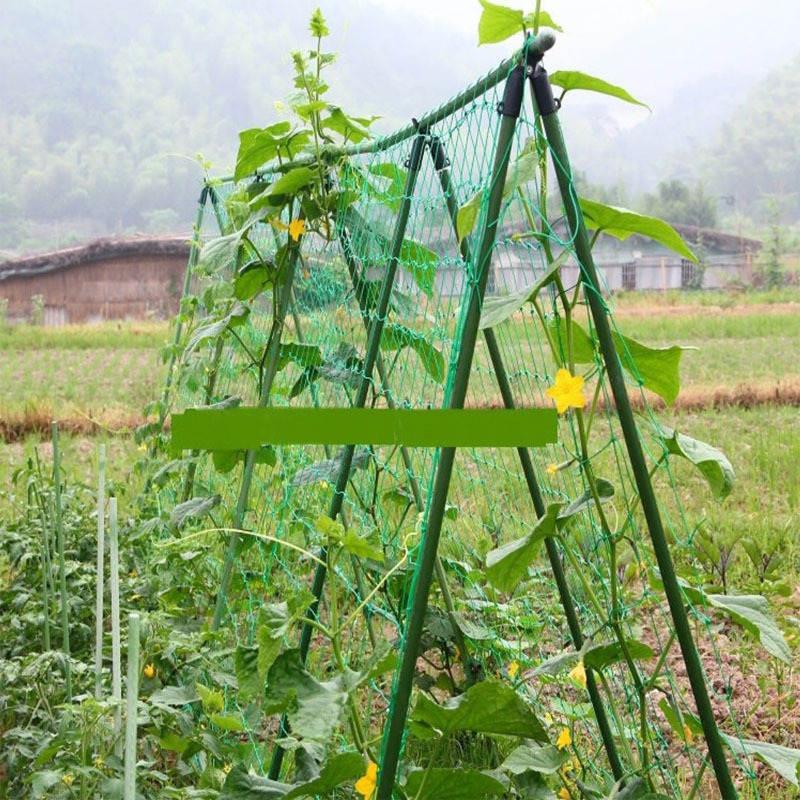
[{"x": 681, "y": 204}]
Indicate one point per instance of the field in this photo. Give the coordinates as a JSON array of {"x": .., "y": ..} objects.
[{"x": 740, "y": 390}]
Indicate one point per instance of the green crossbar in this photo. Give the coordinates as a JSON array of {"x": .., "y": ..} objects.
[{"x": 248, "y": 428}]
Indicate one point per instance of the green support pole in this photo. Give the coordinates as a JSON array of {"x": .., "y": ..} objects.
[
  {"x": 271, "y": 358},
  {"x": 62, "y": 570},
  {"x": 99, "y": 583},
  {"x": 194, "y": 254},
  {"x": 440, "y": 163},
  {"x": 131, "y": 708},
  {"x": 370, "y": 358},
  {"x": 423, "y": 571},
  {"x": 548, "y": 110},
  {"x": 471, "y": 669}
]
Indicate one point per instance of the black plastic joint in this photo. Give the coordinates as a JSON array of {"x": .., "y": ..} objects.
[
  {"x": 511, "y": 104},
  {"x": 543, "y": 92},
  {"x": 440, "y": 160}
]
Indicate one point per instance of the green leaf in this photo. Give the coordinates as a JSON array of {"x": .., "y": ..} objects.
[
  {"x": 318, "y": 26},
  {"x": 228, "y": 722},
  {"x": 213, "y": 700},
  {"x": 583, "y": 350},
  {"x": 257, "y": 146},
  {"x": 486, "y": 707},
  {"x": 421, "y": 262},
  {"x": 342, "y": 768},
  {"x": 545, "y": 759},
  {"x": 657, "y": 368},
  {"x": 541, "y": 20},
  {"x": 784, "y": 760},
  {"x": 245, "y": 661},
  {"x": 305, "y": 355},
  {"x": 328, "y": 469},
  {"x": 458, "y": 783},
  {"x": 569, "y": 80},
  {"x": 497, "y": 23},
  {"x": 622, "y": 223},
  {"x": 252, "y": 280},
  {"x": 498, "y": 309},
  {"x": 605, "y": 491},
  {"x": 467, "y": 216},
  {"x": 599, "y": 656},
  {"x": 712, "y": 463},
  {"x": 752, "y": 612},
  {"x": 507, "y": 565},
  {"x": 396, "y": 337},
  {"x": 192, "y": 509},
  {"x": 358, "y": 546},
  {"x": 239, "y": 785},
  {"x": 174, "y": 696},
  {"x": 314, "y": 709},
  {"x": 350, "y": 128},
  {"x": 211, "y": 330},
  {"x": 294, "y": 180}
]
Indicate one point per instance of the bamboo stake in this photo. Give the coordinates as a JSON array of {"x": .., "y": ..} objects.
[
  {"x": 131, "y": 704},
  {"x": 62, "y": 570},
  {"x": 101, "y": 540},
  {"x": 116, "y": 666}
]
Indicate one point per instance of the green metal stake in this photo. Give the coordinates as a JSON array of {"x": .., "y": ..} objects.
[
  {"x": 271, "y": 359},
  {"x": 62, "y": 571},
  {"x": 589, "y": 277},
  {"x": 116, "y": 646},
  {"x": 194, "y": 255},
  {"x": 131, "y": 708},
  {"x": 101, "y": 539},
  {"x": 423, "y": 571},
  {"x": 440, "y": 163},
  {"x": 370, "y": 358},
  {"x": 471, "y": 669}
]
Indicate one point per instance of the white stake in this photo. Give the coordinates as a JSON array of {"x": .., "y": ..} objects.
[
  {"x": 101, "y": 544},
  {"x": 131, "y": 707},
  {"x": 116, "y": 660}
]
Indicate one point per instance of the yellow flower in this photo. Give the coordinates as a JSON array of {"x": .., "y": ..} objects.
[
  {"x": 552, "y": 469},
  {"x": 365, "y": 785},
  {"x": 227, "y": 768},
  {"x": 548, "y": 718},
  {"x": 68, "y": 778},
  {"x": 149, "y": 671},
  {"x": 578, "y": 674},
  {"x": 564, "y": 794},
  {"x": 564, "y": 739},
  {"x": 687, "y": 734},
  {"x": 513, "y": 669},
  {"x": 297, "y": 227},
  {"x": 99, "y": 762},
  {"x": 567, "y": 391}
]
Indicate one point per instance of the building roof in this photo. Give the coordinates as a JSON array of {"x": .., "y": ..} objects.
[
  {"x": 718, "y": 241},
  {"x": 99, "y": 250}
]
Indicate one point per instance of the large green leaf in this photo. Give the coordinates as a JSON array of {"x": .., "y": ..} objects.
[
  {"x": 257, "y": 146},
  {"x": 486, "y": 707},
  {"x": 193, "y": 509},
  {"x": 570, "y": 79},
  {"x": 240, "y": 785},
  {"x": 605, "y": 492},
  {"x": 498, "y": 309},
  {"x": 251, "y": 280},
  {"x": 600, "y": 656},
  {"x": 396, "y": 337},
  {"x": 339, "y": 769},
  {"x": 712, "y": 463},
  {"x": 497, "y": 23},
  {"x": 421, "y": 262},
  {"x": 545, "y": 759},
  {"x": 442, "y": 783},
  {"x": 784, "y": 760},
  {"x": 752, "y": 612},
  {"x": 292, "y": 181},
  {"x": 508, "y": 564},
  {"x": 541, "y": 19},
  {"x": 622, "y": 223},
  {"x": 658, "y": 368},
  {"x": 314, "y": 708},
  {"x": 353, "y": 129}
]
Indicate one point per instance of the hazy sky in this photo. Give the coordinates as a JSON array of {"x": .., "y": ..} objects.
[{"x": 419, "y": 51}]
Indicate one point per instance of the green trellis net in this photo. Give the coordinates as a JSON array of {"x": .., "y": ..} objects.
[{"x": 261, "y": 530}]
